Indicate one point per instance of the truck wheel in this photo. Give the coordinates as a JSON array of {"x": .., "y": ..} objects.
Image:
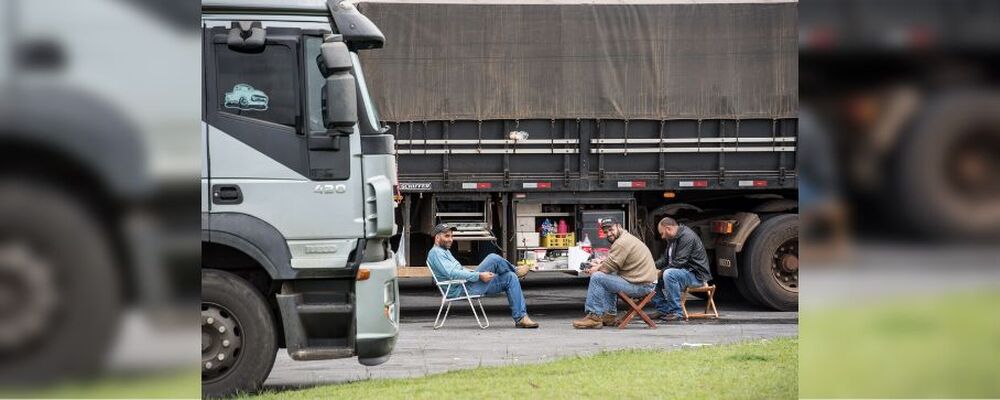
[
  {"x": 769, "y": 269},
  {"x": 946, "y": 181},
  {"x": 238, "y": 341},
  {"x": 60, "y": 292}
]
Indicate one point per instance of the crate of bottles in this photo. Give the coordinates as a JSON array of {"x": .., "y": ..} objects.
[{"x": 559, "y": 240}]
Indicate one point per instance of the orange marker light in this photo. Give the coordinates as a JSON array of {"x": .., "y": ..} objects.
[
  {"x": 363, "y": 274},
  {"x": 669, "y": 195},
  {"x": 724, "y": 227}
]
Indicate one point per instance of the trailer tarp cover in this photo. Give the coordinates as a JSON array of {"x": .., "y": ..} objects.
[{"x": 550, "y": 59}]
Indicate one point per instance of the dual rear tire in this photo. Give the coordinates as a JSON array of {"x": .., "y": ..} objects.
[{"x": 769, "y": 265}]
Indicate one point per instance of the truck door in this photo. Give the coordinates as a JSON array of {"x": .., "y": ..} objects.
[{"x": 270, "y": 156}]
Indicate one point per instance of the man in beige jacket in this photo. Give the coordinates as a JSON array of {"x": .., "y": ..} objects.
[{"x": 628, "y": 268}]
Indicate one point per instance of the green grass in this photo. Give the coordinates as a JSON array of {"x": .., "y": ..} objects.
[
  {"x": 924, "y": 346},
  {"x": 177, "y": 384},
  {"x": 749, "y": 370}
]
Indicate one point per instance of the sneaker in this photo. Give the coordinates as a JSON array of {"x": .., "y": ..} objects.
[
  {"x": 522, "y": 270},
  {"x": 655, "y": 315},
  {"x": 526, "y": 323},
  {"x": 591, "y": 321},
  {"x": 609, "y": 320}
]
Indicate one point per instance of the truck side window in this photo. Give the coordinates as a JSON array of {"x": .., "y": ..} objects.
[
  {"x": 259, "y": 85},
  {"x": 314, "y": 83}
]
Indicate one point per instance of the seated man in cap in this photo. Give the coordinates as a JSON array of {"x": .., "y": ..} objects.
[
  {"x": 634, "y": 273},
  {"x": 494, "y": 275}
]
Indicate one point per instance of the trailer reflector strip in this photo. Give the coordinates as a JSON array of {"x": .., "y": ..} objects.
[
  {"x": 537, "y": 185},
  {"x": 434, "y": 142},
  {"x": 638, "y": 150},
  {"x": 783, "y": 139},
  {"x": 476, "y": 185},
  {"x": 487, "y": 151},
  {"x": 693, "y": 184},
  {"x": 753, "y": 183},
  {"x": 632, "y": 184}
]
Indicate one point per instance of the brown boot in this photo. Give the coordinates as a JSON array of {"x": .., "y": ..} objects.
[
  {"x": 526, "y": 323},
  {"x": 591, "y": 321},
  {"x": 609, "y": 320}
]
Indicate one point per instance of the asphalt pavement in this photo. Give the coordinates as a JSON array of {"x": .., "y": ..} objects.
[{"x": 553, "y": 300}]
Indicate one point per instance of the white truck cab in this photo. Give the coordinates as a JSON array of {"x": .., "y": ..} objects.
[{"x": 298, "y": 178}]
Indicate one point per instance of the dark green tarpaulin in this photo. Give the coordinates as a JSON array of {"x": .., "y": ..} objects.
[{"x": 553, "y": 59}]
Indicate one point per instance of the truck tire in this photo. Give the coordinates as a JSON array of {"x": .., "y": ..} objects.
[
  {"x": 57, "y": 265},
  {"x": 749, "y": 295},
  {"x": 237, "y": 325},
  {"x": 769, "y": 264},
  {"x": 945, "y": 179}
]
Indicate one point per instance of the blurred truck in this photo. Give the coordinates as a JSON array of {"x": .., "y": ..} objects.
[
  {"x": 906, "y": 94},
  {"x": 96, "y": 198},
  {"x": 509, "y": 114},
  {"x": 298, "y": 180}
]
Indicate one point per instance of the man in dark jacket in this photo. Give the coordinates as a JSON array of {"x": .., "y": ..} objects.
[{"x": 684, "y": 264}]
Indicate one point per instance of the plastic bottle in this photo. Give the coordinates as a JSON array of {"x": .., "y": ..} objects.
[
  {"x": 547, "y": 227},
  {"x": 586, "y": 240},
  {"x": 562, "y": 226}
]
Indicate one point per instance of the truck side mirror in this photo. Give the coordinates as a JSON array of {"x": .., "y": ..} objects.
[
  {"x": 340, "y": 101},
  {"x": 334, "y": 56}
]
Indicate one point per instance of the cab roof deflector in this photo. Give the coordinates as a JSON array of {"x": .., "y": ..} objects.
[{"x": 359, "y": 32}]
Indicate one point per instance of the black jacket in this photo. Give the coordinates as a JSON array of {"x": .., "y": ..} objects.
[{"x": 689, "y": 254}]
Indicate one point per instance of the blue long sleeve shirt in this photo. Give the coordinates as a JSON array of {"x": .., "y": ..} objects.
[{"x": 445, "y": 267}]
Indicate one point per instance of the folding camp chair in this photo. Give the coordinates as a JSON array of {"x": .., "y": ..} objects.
[
  {"x": 710, "y": 310},
  {"x": 636, "y": 309},
  {"x": 444, "y": 287}
]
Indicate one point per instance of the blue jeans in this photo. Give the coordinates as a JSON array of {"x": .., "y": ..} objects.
[
  {"x": 504, "y": 281},
  {"x": 602, "y": 293},
  {"x": 668, "y": 291}
]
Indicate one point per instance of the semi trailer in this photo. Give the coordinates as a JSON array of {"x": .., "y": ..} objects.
[{"x": 507, "y": 114}]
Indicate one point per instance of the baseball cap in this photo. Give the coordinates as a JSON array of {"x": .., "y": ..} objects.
[
  {"x": 606, "y": 223},
  {"x": 441, "y": 228}
]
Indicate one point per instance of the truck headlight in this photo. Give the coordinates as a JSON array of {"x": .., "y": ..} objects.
[{"x": 389, "y": 297}]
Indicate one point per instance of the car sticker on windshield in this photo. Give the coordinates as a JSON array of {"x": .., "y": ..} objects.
[{"x": 245, "y": 97}]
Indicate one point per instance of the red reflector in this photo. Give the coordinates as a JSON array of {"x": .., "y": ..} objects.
[
  {"x": 476, "y": 185},
  {"x": 921, "y": 36},
  {"x": 821, "y": 38},
  {"x": 638, "y": 184},
  {"x": 693, "y": 184},
  {"x": 544, "y": 185},
  {"x": 753, "y": 183}
]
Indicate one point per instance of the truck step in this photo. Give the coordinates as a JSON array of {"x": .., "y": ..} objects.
[
  {"x": 324, "y": 308},
  {"x": 321, "y": 353}
]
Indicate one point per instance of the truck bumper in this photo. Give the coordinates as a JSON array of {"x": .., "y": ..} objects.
[
  {"x": 377, "y": 312},
  {"x": 375, "y": 351}
]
